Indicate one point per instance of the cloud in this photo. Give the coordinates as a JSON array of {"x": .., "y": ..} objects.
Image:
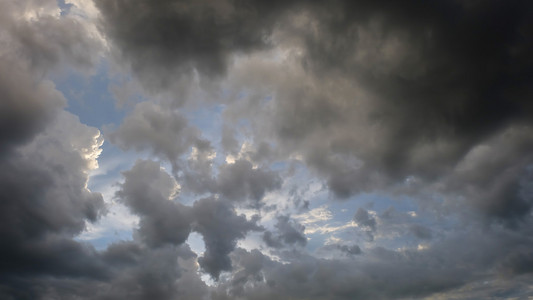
[
  {"x": 27, "y": 104},
  {"x": 149, "y": 192},
  {"x": 220, "y": 227},
  {"x": 495, "y": 175},
  {"x": 423, "y": 107},
  {"x": 44, "y": 38},
  {"x": 144, "y": 273},
  {"x": 168, "y": 39},
  {"x": 288, "y": 232},
  {"x": 377, "y": 273},
  {"x": 403, "y": 93},
  {"x": 385, "y": 92},
  {"x": 240, "y": 181},
  {"x": 366, "y": 221},
  {"x": 420, "y": 231},
  {"x": 46, "y": 202},
  {"x": 46, "y": 154},
  {"x": 163, "y": 132}
]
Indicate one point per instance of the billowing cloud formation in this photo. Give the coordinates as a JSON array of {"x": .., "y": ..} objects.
[
  {"x": 26, "y": 104},
  {"x": 148, "y": 191},
  {"x": 46, "y": 156},
  {"x": 220, "y": 227},
  {"x": 240, "y": 181},
  {"x": 176, "y": 37},
  {"x": 415, "y": 114},
  {"x": 151, "y": 127}
]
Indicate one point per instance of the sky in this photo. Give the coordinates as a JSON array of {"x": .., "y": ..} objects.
[{"x": 302, "y": 150}]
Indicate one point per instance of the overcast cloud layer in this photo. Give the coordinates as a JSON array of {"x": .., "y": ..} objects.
[{"x": 266, "y": 149}]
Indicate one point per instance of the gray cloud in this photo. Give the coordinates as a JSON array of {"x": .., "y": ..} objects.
[
  {"x": 495, "y": 175},
  {"x": 374, "y": 92},
  {"x": 149, "y": 192},
  {"x": 382, "y": 274},
  {"x": 240, "y": 181},
  {"x": 45, "y": 203},
  {"x": 420, "y": 231},
  {"x": 288, "y": 232},
  {"x": 162, "y": 131},
  {"x": 421, "y": 98},
  {"x": 366, "y": 222},
  {"x": 46, "y": 155},
  {"x": 42, "y": 37},
  {"x": 220, "y": 227},
  {"x": 147, "y": 273},
  {"x": 337, "y": 250},
  {"x": 170, "y": 38},
  {"x": 135, "y": 272},
  {"x": 386, "y": 91},
  {"x": 26, "y": 106}
]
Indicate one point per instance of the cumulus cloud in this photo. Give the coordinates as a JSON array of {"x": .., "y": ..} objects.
[
  {"x": 153, "y": 128},
  {"x": 240, "y": 181},
  {"x": 46, "y": 202},
  {"x": 149, "y": 192},
  {"x": 221, "y": 227},
  {"x": 44, "y": 38}
]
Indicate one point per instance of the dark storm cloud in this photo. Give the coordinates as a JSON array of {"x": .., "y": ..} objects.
[
  {"x": 42, "y": 257},
  {"x": 133, "y": 272},
  {"x": 496, "y": 175},
  {"x": 142, "y": 273},
  {"x": 163, "y": 39},
  {"x": 441, "y": 70},
  {"x": 46, "y": 155},
  {"x": 35, "y": 41},
  {"x": 386, "y": 90},
  {"x": 45, "y": 204},
  {"x": 221, "y": 227},
  {"x": 443, "y": 77},
  {"x": 26, "y": 106},
  {"x": 368, "y": 94}
]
